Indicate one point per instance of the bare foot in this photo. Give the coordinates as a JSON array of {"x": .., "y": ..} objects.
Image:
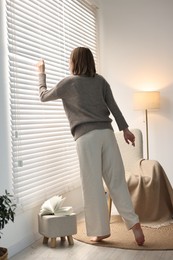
[
  {"x": 99, "y": 238},
  {"x": 138, "y": 233}
]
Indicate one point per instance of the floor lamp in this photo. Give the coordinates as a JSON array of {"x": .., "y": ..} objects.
[{"x": 146, "y": 100}]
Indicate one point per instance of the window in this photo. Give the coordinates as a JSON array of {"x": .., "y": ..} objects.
[{"x": 44, "y": 156}]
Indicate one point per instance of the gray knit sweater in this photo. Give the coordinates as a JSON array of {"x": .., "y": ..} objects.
[{"x": 87, "y": 101}]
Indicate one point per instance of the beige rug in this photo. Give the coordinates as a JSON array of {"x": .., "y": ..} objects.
[{"x": 156, "y": 238}]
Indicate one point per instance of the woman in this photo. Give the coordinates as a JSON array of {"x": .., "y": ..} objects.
[{"x": 87, "y": 100}]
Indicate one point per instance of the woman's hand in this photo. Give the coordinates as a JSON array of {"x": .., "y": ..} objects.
[
  {"x": 41, "y": 66},
  {"x": 129, "y": 136}
]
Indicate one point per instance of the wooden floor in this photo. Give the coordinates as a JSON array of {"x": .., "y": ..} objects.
[{"x": 82, "y": 251}]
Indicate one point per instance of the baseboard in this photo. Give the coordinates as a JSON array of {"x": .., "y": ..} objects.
[{"x": 25, "y": 242}]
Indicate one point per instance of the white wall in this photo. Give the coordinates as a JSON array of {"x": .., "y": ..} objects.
[
  {"x": 4, "y": 108},
  {"x": 136, "y": 53}
]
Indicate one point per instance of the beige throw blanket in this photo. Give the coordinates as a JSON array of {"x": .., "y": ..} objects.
[{"x": 151, "y": 193}]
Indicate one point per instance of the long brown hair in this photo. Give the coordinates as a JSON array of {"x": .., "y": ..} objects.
[{"x": 82, "y": 62}]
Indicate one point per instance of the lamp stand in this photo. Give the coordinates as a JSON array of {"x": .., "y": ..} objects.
[{"x": 146, "y": 122}]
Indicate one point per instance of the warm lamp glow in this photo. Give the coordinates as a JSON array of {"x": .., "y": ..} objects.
[{"x": 146, "y": 100}]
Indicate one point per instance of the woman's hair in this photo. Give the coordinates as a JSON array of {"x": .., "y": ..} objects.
[{"x": 82, "y": 62}]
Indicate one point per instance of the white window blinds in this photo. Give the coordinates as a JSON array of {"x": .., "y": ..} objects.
[{"x": 44, "y": 156}]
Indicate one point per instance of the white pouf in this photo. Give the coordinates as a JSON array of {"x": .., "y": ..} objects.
[{"x": 52, "y": 226}]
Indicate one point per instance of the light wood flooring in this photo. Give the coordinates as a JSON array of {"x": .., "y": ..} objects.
[{"x": 82, "y": 251}]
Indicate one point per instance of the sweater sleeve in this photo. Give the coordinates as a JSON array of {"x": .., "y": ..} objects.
[
  {"x": 116, "y": 112},
  {"x": 46, "y": 95}
]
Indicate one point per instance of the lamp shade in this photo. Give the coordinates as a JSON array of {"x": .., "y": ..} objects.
[{"x": 146, "y": 100}]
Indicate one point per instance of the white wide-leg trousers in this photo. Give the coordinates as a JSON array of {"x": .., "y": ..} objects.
[{"x": 99, "y": 159}]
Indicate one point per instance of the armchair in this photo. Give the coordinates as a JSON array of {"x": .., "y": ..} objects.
[{"x": 149, "y": 187}]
